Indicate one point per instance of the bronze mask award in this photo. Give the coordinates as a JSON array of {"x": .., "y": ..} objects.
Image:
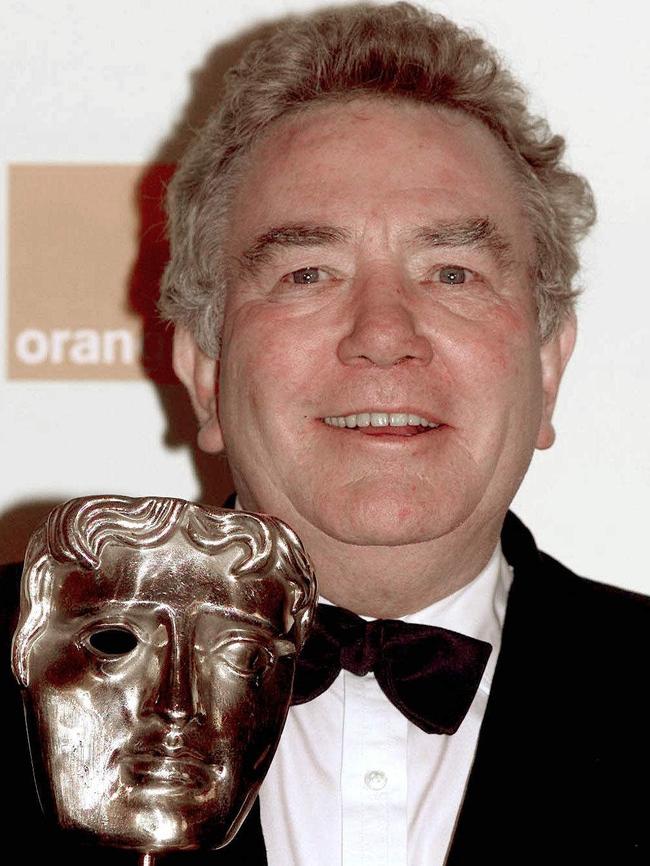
[{"x": 156, "y": 648}]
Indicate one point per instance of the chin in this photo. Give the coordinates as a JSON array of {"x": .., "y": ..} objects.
[
  {"x": 392, "y": 519},
  {"x": 166, "y": 827}
]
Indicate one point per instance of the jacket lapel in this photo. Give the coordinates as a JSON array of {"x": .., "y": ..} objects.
[{"x": 502, "y": 772}]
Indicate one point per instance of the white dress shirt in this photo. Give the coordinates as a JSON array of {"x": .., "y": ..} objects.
[{"x": 353, "y": 783}]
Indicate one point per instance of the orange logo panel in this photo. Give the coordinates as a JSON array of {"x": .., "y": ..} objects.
[{"x": 86, "y": 251}]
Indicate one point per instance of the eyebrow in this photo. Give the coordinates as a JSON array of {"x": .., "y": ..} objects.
[
  {"x": 251, "y": 618},
  {"x": 478, "y": 232},
  {"x": 294, "y": 235},
  {"x": 231, "y": 613},
  {"x": 86, "y": 609}
]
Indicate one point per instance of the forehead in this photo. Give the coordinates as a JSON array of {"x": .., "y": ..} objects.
[
  {"x": 371, "y": 156},
  {"x": 174, "y": 574}
]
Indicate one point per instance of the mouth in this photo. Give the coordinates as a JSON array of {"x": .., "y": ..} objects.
[
  {"x": 384, "y": 423},
  {"x": 164, "y": 774}
]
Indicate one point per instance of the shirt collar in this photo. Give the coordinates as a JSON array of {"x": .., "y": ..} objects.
[{"x": 477, "y": 609}]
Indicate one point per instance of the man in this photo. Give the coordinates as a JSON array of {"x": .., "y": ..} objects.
[{"x": 373, "y": 247}]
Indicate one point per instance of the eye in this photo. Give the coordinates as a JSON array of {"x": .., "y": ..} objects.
[
  {"x": 305, "y": 276},
  {"x": 111, "y": 642},
  {"x": 245, "y": 657},
  {"x": 453, "y": 275}
]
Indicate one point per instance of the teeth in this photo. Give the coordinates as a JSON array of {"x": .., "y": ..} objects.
[{"x": 379, "y": 419}]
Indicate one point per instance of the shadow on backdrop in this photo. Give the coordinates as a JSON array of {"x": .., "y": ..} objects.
[
  {"x": 206, "y": 89},
  {"x": 17, "y": 524},
  {"x": 206, "y": 92}
]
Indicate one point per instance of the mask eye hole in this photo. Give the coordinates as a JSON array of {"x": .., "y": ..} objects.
[{"x": 112, "y": 642}]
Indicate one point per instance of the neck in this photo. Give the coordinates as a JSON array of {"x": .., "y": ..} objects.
[{"x": 393, "y": 581}]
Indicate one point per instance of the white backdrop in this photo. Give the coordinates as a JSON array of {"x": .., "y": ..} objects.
[{"x": 90, "y": 82}]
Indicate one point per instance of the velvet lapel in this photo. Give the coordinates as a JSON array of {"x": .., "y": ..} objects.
[{"x": 501, "y": 773}]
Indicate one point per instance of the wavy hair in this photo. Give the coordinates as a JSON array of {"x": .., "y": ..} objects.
[{"x": 397, "y": 51}]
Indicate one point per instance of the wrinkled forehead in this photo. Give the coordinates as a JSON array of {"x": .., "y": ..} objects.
[{"x": 176, "y": 575}]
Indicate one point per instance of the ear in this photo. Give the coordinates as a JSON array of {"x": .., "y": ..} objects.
[
  {"x": 200, "y": 375},
  {"x": 555, "y": 354}
]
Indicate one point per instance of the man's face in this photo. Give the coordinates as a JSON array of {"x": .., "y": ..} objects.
[
  {"x": 380, "y": 273},
  {"x": 159, "y": 690}
]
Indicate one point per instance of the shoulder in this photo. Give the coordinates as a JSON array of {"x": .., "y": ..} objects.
[
  {"x": 22, "y": 811},
  {"x": 604, "y": 617},
  {"x": 579, "y": 649},
  {"x": 9, "y": 609},
  {"x": 594, "y": 596},
  {"x": 567, "y": 718},
  {"x": 9, "y": 597},
  {"x": 547, "y": 573}
]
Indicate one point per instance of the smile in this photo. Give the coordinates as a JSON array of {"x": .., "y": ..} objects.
[{"x": 381, "y": 420}]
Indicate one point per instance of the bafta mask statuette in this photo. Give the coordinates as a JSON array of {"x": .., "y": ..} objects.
[{"x": 156, "y": 647}]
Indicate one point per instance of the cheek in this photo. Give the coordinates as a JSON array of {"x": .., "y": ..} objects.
[
  {"x": 248, "y": 347},
  {"x": 500, "y": 355},
  {"x": 271, "y": 354}
]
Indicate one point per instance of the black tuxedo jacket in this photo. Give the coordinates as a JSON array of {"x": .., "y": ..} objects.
[{"x": 562, "y": 767}]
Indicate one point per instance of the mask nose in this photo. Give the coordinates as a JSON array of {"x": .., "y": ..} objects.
[
  {"x": 175, "y": 696},
  {"x": 383, "y": 330}
]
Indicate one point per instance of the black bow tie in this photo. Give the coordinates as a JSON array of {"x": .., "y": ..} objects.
[{"x": 430, "y": 674}]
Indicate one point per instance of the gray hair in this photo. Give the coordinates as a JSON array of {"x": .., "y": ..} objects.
[
  {"x": 398, "y": 51},
  {"x": 77, "y": 532}
]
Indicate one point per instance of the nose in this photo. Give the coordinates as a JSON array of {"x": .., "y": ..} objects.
[
  {"x": 175, "y": 693},
  {"x": 384, "y": 325}
]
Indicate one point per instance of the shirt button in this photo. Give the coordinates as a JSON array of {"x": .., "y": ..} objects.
[{"x": 375, "y": 780}]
